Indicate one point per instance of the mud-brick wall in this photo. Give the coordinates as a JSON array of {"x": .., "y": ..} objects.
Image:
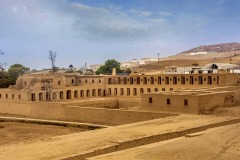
[
  {"x": 208, "y": 102},
  {"x": 159, "y": 102},
  {"x": 57, "y": 111},
  {"x": 231, "y": 79},
  {"x": 33, "y": 109},
  {"x": 110, "y": 116}
]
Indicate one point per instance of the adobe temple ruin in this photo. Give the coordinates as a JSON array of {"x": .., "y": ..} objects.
[{"x": 135, "y": 110}]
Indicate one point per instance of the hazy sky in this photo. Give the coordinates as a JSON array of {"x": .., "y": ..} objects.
[{"x": 93, "y": 31}]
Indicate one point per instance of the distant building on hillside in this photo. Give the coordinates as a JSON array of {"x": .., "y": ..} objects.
[
  {"x": 147, "y": 60},
  {"x": 94, "y": 67},
  {"x": 197, "y": 53},
  {"x": 129, "y": 64},
  {"x": 209, "y": 68},
  {"x": 235, "y": 70},
  {"x": 220, "y": 66}
]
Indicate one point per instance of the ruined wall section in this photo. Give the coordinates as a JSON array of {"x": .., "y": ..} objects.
[
  {"x": 209, "y": 102},
  {"x": 54, "y": 111},
  {"x": 231, "y": 80},
  {"x": 197, "y": 102}
]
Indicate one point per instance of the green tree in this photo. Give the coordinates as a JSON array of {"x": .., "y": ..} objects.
[
  {"x": 16, "y": 70},
  {"x": 5, "y": 80},
  {"x": 108, "y": 66},
  {"x": 33, "y": 71},
  {"x": 128, "y": 71}
]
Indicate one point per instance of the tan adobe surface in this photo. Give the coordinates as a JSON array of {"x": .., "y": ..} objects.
[
  {"x": 101, "y": 141},
  {"x": 221, "y": 143}
]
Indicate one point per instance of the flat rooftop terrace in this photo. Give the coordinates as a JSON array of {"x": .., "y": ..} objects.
[{"x": 190, "y": 93}]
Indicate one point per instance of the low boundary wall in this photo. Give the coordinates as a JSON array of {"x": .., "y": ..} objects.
[
  {"x": 53, "y": 122},
  {"x": 58, "y": 111}
]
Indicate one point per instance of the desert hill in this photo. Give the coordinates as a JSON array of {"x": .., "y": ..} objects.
[
  {"x": 216, "y": 51},
  {"x": 222, "y": 47},
  {"x": 230, "y": 53}
]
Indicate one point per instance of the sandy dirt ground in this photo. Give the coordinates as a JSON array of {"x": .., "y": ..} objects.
[
  {"x": 228, "y": 111},
  {"x": 108, "y": 139},
  {"x": 221, "y": 143},
  {"x": 14, "y": 132}
]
